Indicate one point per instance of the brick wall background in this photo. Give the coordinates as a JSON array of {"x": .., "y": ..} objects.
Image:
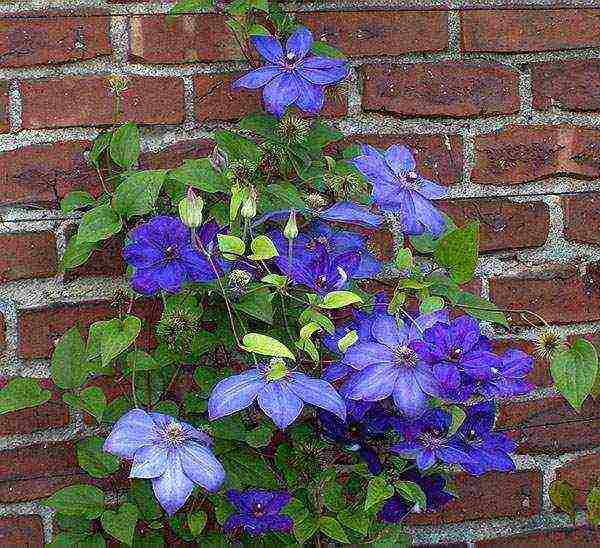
[{"x": 500, "y": 104}]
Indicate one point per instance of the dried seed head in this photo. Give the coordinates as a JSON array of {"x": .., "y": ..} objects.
[
  {"x": 293, "y": 129},
  {"x": 548, "y": 344}
]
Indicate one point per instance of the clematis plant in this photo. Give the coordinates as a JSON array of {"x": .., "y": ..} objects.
[{"x": 284, "y": 369}]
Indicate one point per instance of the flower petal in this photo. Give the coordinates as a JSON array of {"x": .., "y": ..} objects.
[
  {"x": 201, "y": 466},
  {"x": 400, "y": 159},
  {"x": 428, "y": 215},
  {"x": 385, "y": 330},
  {"x": 278, "y": 522},
  {"x": 171, "y": 276},
  {"x": 173, "y": 488},
  {"x": 142, "y": 255},
  {"x": 234, "y": 393},
  {"x": 311, "y": 96},
  {"x": 133, "y": 430},
  {"x": 347, "y": 212},
  {"x": 280, "y": 404},
  {"x": 375, "y": 169},
  {"x": 322, "y": 70},
  {"x": 280, "y": 93},
  {"x": 362, "y": 355},
  {"x": 257, "y": 78},
  {"x": 319, "y": 393},
  {"x": 430, "y": 190},
  {"x": 408, "y": 395},
  {"x": 374, "y": 383},
  {"x": 299, "y": 43},
  {"x": 150, "y": 461},
  {"x": 145, "y": 281},
  {"x": 269, "y": 48}
]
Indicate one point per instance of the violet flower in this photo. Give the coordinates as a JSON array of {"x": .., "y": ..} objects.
[
  {"x": 431, "y": 442},
  {"x": 486, "y": 450},
  {"x": 399, "y": 188},
  {"x": 293, "y": 76},
  {"x": 509, "y": 377},
  {"x": 258, "y": 511},
  {"x": 174, "y": 455},
  {"x": 280, "y": 393}
]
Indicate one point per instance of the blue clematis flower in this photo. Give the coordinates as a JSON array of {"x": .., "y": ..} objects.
[
  {"x": 280, "y": 393},
  {"x": 430, "y": 441},
  {"x": 174, "y": 455},
  {"x": 258, "y": 511},
  {"x": 389, "y": 366},
  {"x": 486, "y": 450},
  {"x": 397, "y": 187},
  {"x": 293, "y": 76},
  {"x": 509, "y": 377}
]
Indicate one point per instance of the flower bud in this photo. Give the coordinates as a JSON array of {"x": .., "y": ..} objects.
[
  {"x": 248, "y": 210},
  {"x": 190, "y": 209},
  {"x": 291, "y": 227}
]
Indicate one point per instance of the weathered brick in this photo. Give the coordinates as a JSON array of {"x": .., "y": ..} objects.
[
  {"x": 438, "y": 157},
  {"x": 88, "y": 101},
  {"x": 174, "y": 155},
  {"x": 582, "y": 217},
  {"x": 579, "y": 537},
  {"x": 52, "y": 414},
  {"x": 46, "y": 173},
  {"x": 583, "y": 474},
  {"x": 578, "y": 294},
  {"x": 188, "y": 38},
  {"x": 529, "y": 30},
  {"x": 42, "y": 40},
  {"x": 21, "y": 532},
  {"x": 4, "y": 121},
  {"x": 449, "y": 89},
  {"x": 27, "y": 255},
  {"x": 516, "y": 495},
  {"x": 503, "y": 225},
  {"x": 360, "y": 33},
  {"x": 39, "y": 328},
  {"x": 215, "y": 100},
  {"x": 2, "y": 332},
  {"x": 518, "y": 154},
  {"x": 566, "y": 85}
]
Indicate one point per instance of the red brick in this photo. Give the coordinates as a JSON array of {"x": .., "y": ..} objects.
[
  {"x": 45, "y": 40},
  {"x": 577, "y": 294},
  {"x": 2, "y": 332},
  {"x": 518, "y": 154},
  {"x": 27, "y": 255},
  {"x": 46, "y": 173},
  {"x": 21, "y": 532},
  {"x": 39, "y": 328},
  {"x": 566, "y": 85},
  {"x": 555, "y": 538},
  {"x": 494, "y": 495},
  {"x": 215, "y": 100},
  {"x": 540, "y": 376},
  {"x": 187, "y": 38},
  {"x": 174, "y": 155},
  {"x": 4, "y": 121},
  {"x": 438, "y": 157},
  {"x": 380, "y": 33},
  {"x": 504, "y": 225},
  {"x": 52, "y": 414},
  {"x": 583, "y": 474},
  {"x": 582, "y": 217},
  {"x": 88, "y": 101},
  {"x": 529, "y": 30},
  {"x": 449, "y": 89}
]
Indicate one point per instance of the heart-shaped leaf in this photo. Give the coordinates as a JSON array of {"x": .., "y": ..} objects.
[
  {"x": 111, "y": 337},
  {"x": 121, "y": 524}
]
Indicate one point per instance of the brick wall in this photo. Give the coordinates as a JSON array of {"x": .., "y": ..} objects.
[{"x": 500, "y": 104}]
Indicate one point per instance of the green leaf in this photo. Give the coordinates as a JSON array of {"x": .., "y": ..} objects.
[
  {"x": 114, "y": 336},
  {"x": 77, "y": 540},
  {"x": 101, "y": 143},
  {"x": 404, "y": 258},
  {"x": 480, "y": 308},
  {"x": 261, "y": 436},
  {"x": 323, "y": 49},
  {"x": 411, "y": 491},
  {"x": 262, "y": 249},
  {"x": 332, "y": 528},
  {"x": 431, "y": 304},
  {"x": 69, "y": 367},
  {"x": 258, "y": 30},
  {"x": 275, "y": 279},
  {"x": 563, "y": 496},
  {"x": 231, "y": 246},
  {"x": 75, "y": 200},
  {"x": 260, "y": 123},
  {"x": 137, "y": 194},
  {"x": 94, "y": 460},
  {"x": 138, "y": 360},
  {"x": 238, "y": 147},
  {"x": 347, "y": 340},
  {"x": 121, "y": 524},
  {"x": 458, "y": 417},
  {"x": 458, "y": 252},
  {"x": 394, "y": 536},
  {"x": 258, "y": 304},
  {"x": 355, "y": 519},
  {"x": 76, "y": 253},
  {"x": 339, "y": 299},
  {"x": 189, "y": 6},
  {"x": 125, "y": 145},
  {"x": 143, "y": 497},
  {"x": 98, "y": 224},
  {"x": 22, "y": 393},
  {"x": 78, "y": 500},
  {"x": 196, "y": 522},
  {"x": 593, "y": 506},
  {"x": 333, "y": 496},
  {"x": 230, "y": 427},
  {"x": 306, "y": 528},
  {"x": 91, "y": 400},
  {"x": 378, "y": 490},
  {"x": 282, "y": 196},
  {"x": 206, "y": 378},
  {"x": 246, "y": 468},
  {"x": 311, "y": 315},
  {"x": 266, "y": 346},
  {"x": 200, "y": 174},
  {"x": 322, "y": 135},
  {"x": 116, "y": 409},
  {"x": 574, "y": 371}
]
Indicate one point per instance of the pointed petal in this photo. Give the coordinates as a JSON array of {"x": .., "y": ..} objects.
[
  {"x": 430, "y": 190},
  {"x": 347, "y": 212},
  {"x": 280, "y": 404},
  {"x": 400, "y": 159},
  {"x": 280, "y": 93},
  {"x": 425, "y": 459},
  {"x": 133, "y": 430},
  {"x": 201, "y": 466},
  {"x": 234, "y": 393},
  {"x": 385, "y": 330},
  {"x": 408, "y": 396},
  {"x": 257, "y": 78},
  {"x": 374, "y": 168},
  {"x": 299, "y": 43},
  {"x": 269, "y": 48},
  {"x": 374, "y": 383},
  {"x": 319, "y": 393},
  {"x": 173, "y": 488},
  {"x": 311, "y": 96},
  {"x": 362, "y": 355},
  {"x": 150, "y": 461},
  {"x": 321, "y": 70},
  {"x": 428, "y": 215}
]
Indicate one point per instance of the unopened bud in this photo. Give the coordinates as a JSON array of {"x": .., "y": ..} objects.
[
  {"x": 248, "y": 210},
  {"x": 190, "y": 209},
  {"x": 291, "y": 227}
]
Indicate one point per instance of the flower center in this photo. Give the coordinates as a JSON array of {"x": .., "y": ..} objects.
[
  {"x": 171, "y": 253},
  {"x": 258, "y": 510},
  {"x": 175, "y": 433},
  {"x": 405, "y": 357},
  {"x": 290, "y": 57},
  {"x": 277, "y": 370},
  {"x": 455, "y": 354}
]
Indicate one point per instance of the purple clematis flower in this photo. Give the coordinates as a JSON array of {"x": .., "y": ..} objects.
[
  {"x": 174, "y": 455},
  {"x": 430, "y": 442},
  {"x": 388, "y": 366},
  {"x": 280, "y": 393},
  {"x": 509, "y": 378},
  {"x": 486, "y": 450},
  {"x": 293, "y": 76},
  {"x": 398, "y": 187},
  {"x": 457, "y": 353},
  {"x": 258, "y": 511}
]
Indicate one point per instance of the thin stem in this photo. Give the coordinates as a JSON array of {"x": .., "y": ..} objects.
[
  {"x": 520, "y": 311},
  {"x": 414, "y": 322}
]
